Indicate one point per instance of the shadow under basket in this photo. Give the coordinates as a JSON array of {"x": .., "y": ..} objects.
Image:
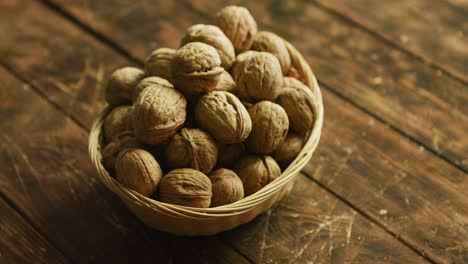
[{"x": 190, "y": 221}]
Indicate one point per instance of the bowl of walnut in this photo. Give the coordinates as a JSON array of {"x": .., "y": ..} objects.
[{"x": 212, "y": 133}]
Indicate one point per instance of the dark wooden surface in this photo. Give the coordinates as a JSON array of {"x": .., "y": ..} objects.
[{"x": 387, "y": 184}]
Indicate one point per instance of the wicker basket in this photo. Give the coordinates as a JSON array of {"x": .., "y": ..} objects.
[{"x": 189, "y": 221}]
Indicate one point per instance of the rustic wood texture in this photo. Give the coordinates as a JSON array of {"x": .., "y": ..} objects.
[
  {"x": 20, "y": 243},
  {"x": 42, "y": 166},
  {"x": 48, "y": 176},
  {"x": 408, "y": 94},
  {"x": 397, "y": 160},
  {"x": 387, "y": 183},
  {"x": 435, "y": 30}
]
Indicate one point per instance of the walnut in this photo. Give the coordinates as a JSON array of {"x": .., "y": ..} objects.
[
  {"x": 119, "y": 143},
  {"x": 149, "y": 81},
  {"x": 289, "y": 149},
  {"x": 226, "y": 83},
  {"x": 223, "y": 116},
  {"x": 269, "y": 127},
  {"x": 117, "y": 121},
  {"x": 258, "y": 77},
  {"x": 138, "y": 170},
  {"x": 158, "y": 112},
  {"x": 159, "y": 63},
  {"x": 238, "y": 25},
  {"x": 195, "y": 68},
  {"x": 192, "y": 148},
  {"x": 256, "y": 172},
  {"x": 187, "y": 187},
  {"x": 294, "y": 99},
  {"x": 272, "y": 43},
  {"x": 121, "y": 84},
  {"x": 212, "y": 36},
  {"x": 229, "y": 154},
  {"x": 227, "y": 187}
]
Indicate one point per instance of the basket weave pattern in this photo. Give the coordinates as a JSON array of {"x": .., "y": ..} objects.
[{"x": 189, "y": 221}]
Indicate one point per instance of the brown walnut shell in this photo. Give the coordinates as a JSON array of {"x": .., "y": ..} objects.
[
  {"x": 214, "y": 37},
  {"x": 269, "y": 127},
  {"x": 229, "y": 154},
  {"x": 223, "y": 116},
  {"x": 289, "y": 149},
  {"x": 195, "y": 68},
  {"x": 272, "y": 43},
  {"x": 294, "y": 99},
  {"x": 150, "y": 81},
  {"x": 138, "y": 170},
  {"x": 226, "y": 83},
  {"x": 158, "y": 112},
  {"x": 258, "y": 77},
  {"x": 117, "y": 121},
  {"x": 192, "y": 148},
  {"x": 187, "y": 187},
  {"x": 227, "y": 187},
  {"x": 159, "y": 63},
  {"x": 256, "y": 172},
  {"x": 121, "y": 84},
  {"x": 121, "y": 142},
  {"x": 238, "y": 25}
]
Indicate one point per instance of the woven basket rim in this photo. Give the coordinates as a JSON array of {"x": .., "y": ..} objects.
[{"x": 243, "y": 205}]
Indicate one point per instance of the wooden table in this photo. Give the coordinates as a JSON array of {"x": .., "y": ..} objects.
[{"x": 387, "y": 184}]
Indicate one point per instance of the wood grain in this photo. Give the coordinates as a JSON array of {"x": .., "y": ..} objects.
[
  {"x": 410, "y": 95},
  {"x": 46, "y": 173},
  {"x": 433, "y": 30},
  {"x": 311, "y": 226},
  {"x": 20, "y": 243},
  {"x": 48, "y": 165},
  {"x": 199, "y": 250}
]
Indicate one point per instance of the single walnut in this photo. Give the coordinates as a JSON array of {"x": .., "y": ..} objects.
[
  {"x": 223, "y": 116},
  {"x": 269, "y": 127},
  {"x": 214, "y": 37},
  {"x": 227, "y": 187},
  {"x": 158, "y": 112},
  {"x": 149, "y": 81},
  {"x": 119, "y": 143},
  {"x": 226, "y": 83},
  {"x": 159, "y": 63},
  {"x": 296, "y": 70},
  {"x": 288, "y": 150},
  {"x": 294, "y": 98},
  {"x": 238, "y": 25},
  {"x": 187, "y": 187},
  {"x": 256, "y": 172},
  {"x": 258, "y": 77},
  {"x": 272, "y": 43},
  {"x": 195, "y": 68},
  {"x": 192, "y": 148},
  {"x": 121, "y": 84},
  {"x": 229, "y": 154},
  {"x": 138, "y": 170},
  {"x": 117, "y": 121}
]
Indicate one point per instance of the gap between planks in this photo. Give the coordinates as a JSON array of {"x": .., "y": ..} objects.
[
  {"x": 121, "y": 50},
  {"x": 391, "y": 43},
  {"x": 33, "y": 226}
]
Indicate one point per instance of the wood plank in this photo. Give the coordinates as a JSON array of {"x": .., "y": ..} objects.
[
  {"x": 419, "y": 198},
  {"x": 439, "y": 38},
  {"x": 46, "y": 173},
  {"x": 216, "y": 251},
  {"x": 311, "y": 226},
  {"x": 411, "y": 96},
  {"x": 396, "y": 155},
  {"x": 20, "y": 243}
]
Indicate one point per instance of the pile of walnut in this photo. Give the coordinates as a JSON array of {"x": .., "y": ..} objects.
[{"x": 201, "y": 126}]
